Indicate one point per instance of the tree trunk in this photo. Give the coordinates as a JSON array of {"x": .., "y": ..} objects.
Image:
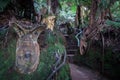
[
  {"x": 78, "y": 17},
  {"x": 53, "y": 5},
  {"x": 93, "y": 13}
]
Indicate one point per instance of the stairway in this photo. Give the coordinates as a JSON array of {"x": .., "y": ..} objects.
[{"x": 72, "y": 47}]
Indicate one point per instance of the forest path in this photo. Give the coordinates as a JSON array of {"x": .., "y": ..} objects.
[{"x": 82, "y": 73}]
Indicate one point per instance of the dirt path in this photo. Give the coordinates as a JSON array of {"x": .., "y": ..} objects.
[{"x": 82, "y": 73}]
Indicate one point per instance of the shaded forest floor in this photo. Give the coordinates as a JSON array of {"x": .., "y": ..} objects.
[{"x": 83, "y": 73}]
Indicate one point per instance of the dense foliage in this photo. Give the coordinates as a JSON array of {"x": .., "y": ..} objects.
[{"x": 99, "y": 21}]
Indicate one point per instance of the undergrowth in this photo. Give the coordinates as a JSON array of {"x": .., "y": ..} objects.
[
  {"x": 47, "y": 59},
  {"x": 108, "y": 64}
]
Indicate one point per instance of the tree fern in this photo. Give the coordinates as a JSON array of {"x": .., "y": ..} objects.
[{"x": 113, "y": 23}]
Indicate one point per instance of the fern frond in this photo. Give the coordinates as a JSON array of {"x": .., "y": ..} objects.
[{"x": 113, "y": 23}]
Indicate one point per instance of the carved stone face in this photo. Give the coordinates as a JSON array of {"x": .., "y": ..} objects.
[
  {"x": 27, "y": 48},
  {"x": 27, "y": 54},
  {"x": 50, "y": 21}
]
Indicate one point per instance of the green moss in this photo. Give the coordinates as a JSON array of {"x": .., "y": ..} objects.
[
  {"x": 47, "y": 59},
  {"x": 64, "y": 73}
]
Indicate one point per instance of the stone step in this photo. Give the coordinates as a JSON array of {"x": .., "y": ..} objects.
[
  {"x": 72, "y": 50},
  {"x": 65, "y": 35},
  {"x": 72, "y": 47},
  {"x": 72, "y": 43},
  {"x": 70, "y": 55}
]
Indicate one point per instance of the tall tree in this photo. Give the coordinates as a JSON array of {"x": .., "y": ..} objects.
[
  {"x": 78, "y": 16},
  {"x": 53, "y": 6}
]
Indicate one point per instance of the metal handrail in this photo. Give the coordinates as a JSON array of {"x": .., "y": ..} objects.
[
  {"x": 56, "y": 64},
  {"x": 78, "y": 36}
]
